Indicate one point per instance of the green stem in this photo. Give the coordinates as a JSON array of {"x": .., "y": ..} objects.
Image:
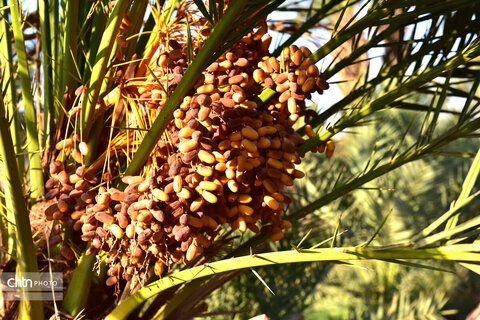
[
  {"x": 100, "y": 66},
  {"x": 451, "y": 253},
  {"x": 53, "y": 24},
  {"x": 69, "y": 48},
  {"x": 76, "y": 296},
  {"x": 468, "y": 185},
  {"x": 8, "y": 85},
  {"x": 4, "y": 228},
  {"x": 48, "y": 106},
  {"x": 221, "y": 30},
  {"x": 26, "y": 258},
  {"x": 98, "y": 27},
  {"x": 35, "y": 169},
  {"x": 10, "y": 232},
  {"x": 84, "y": 25},
  {"x": 437, "y": 223},
  {"x": 53, "y": 17},
  {"x": 447, "y": 233}
]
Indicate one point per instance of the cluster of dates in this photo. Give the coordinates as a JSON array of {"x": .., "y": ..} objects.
[{"x": 224, "y": 160}]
